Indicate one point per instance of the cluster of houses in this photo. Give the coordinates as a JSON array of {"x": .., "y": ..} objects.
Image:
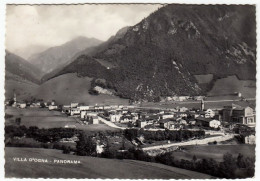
[{"x": 166, "y": 119}]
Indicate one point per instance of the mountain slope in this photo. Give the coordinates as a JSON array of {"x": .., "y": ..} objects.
[
  {"x": 54, "y": 57},
  {"x": 20, "y": 67},
  {"x": 161, "y": 55},
  {"x": 20, "y": 76},
  {"x": 88, "y": 51},
  {"x": 68, "y": 88}
]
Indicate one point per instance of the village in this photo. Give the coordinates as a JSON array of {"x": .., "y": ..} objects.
[{"x": 218, "y": 122}]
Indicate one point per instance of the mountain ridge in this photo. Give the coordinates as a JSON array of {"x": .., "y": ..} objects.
[{"x": 56, "y": 56}]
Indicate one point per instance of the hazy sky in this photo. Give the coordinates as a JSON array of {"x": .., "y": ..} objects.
[{"x": 30, "y": 27}]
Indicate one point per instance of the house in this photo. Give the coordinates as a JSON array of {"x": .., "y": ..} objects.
[
  {"x": 126, "y": 119},
  {"x": 166, "y": 116},
  {"x": 182, "y": 121},
  {"x": 141, "y": 123},
  {"x": 207, "y": 122},
  {"x": 239, "y": 114},
  {"x": 83, "y": 114},
  {"x": 53, "y": 103},
  {"x": 115, "y": 117},
  {"x": 183, "y": 109},
  {"x": 22, "y": 105},
  {"x": 93, "y": 120},
  {"x": 181, "y": 114},
  {"x": 83, "y": 108},
  {"x": 74, "y": 105},
  {"x": 250, "y": 139},
  {"x": 107, "y": 107},
  {"x": 74, "y": 111},
  {"x": 209, "y": 113},
  {"x": 167, "y": 123},
  {"x": 51, "y": 107}
]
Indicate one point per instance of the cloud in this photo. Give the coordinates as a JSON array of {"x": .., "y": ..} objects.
[{"x": 52, "y": 25}]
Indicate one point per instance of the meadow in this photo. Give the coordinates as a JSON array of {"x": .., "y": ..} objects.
[
  {"x": 43, "y": 118},
  {"x": 214, "y": 151},
  {"x": 89, "y": 167}
]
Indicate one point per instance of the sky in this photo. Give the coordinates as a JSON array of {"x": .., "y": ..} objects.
[{"x": 32, "y": 28}]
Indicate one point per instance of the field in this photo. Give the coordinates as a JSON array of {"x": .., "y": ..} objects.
[
  {"x": 68, "y": 88},
  {"x": 89, "y": 167},
  {"x": 43, "y": 118},
  {"x": 214, "y": 151},
  {"x": 210, "y": 103},
  {"x": 232, "y": 84}
]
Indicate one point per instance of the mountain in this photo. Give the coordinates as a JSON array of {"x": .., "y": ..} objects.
[
  {"x": 163, "y": 54},
  {"x": 54, "y": 57},
  {"x": 88, "y": 51},
  {"x": 20, "y": 76},
  {"x": 30, "y": 50},
  {"x": 19, "y": 67}
]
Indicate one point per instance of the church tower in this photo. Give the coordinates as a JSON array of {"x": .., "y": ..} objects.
[{"x": 202, "y": 106}]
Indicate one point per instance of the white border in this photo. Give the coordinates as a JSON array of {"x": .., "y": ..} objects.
[{"x": 2, "y": 59}]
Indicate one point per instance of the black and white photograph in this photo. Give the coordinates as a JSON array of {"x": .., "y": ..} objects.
[{"x": 130, "y": 91}]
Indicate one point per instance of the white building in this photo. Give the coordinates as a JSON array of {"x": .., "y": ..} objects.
[
  {"x": 165, "y": 116},
  {"x": 250, "y": 139},
  {"x": 83, "y": 108},
  {"x": 74, "y": 111},
  {"x": 214, "y": 123},
  {"x": 51, "y": 107},
  {"x": 74, "y": 105},
  {"x": 115, "y": 117},
  {"x": 22, "y": 105},
  {"x": 209, "y": 113}
]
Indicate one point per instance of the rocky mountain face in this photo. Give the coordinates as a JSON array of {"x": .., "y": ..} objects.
[
  {"x": 55, "y": 57},
  {"x": 160, "y": 55},
  {"x": 16, "y": 66}
]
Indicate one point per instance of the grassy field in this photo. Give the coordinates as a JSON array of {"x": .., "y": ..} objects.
[
  {"x": 43, "y": 118},
  {"x": 89, "y": 167},
  {"x": 214, "y": 151},
  {"x": 232, "y": 84},
  {"x": 197, "y": 104},
  {"x": 70, "y": 88}
]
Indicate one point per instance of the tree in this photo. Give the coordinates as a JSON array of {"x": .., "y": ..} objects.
[
  {"x": 85, "y": 146},
  {"x": 194, "y": 158},
  {"x": 18, "y": 121},
  {"x": 65, "y": 149}
]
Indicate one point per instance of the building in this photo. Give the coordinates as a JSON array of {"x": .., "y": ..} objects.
[
  {"x": 22, "y": 105},
  {"x": 115, "y": 117},
  {"x": 209, "y": 113},
  {"x": 238, "y": 114},
  {"x": 51, "y": 107},
  {"x": 166, "y": 116},
  {"x": 93, "y": 120},
  {"x": 207, "y": 122},
  {"x": 202, "y": 105},
  {"x": 83, "y": 108},
  {"x": 250, "y": 139},
  {"x": 126, "y": 119},
  {"x": 74, "y": 111},
  {"x": 74, "y": 105},
  {"x": 167, "y": 124},
  {"x": 141, "y": 123},
  {"x": 183, "y": 109}
]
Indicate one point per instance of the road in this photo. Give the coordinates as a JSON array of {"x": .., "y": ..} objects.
[
  {"x": 192, "y": 142},
  {"x": 109, "y": 123}
]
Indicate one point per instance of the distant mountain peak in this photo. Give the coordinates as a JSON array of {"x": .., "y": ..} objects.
[{"x": 55, "y": 57}]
